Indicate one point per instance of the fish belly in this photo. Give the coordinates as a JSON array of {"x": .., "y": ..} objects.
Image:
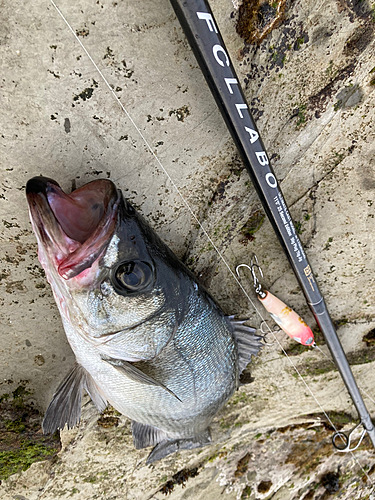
[{"x": 199, "y": 365}]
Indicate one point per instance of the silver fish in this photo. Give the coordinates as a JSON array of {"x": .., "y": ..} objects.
[{"x": 148, "y": 339}]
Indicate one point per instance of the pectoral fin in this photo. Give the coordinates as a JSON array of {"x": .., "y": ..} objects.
[
  {"x": 135, "y": 374},
  {"x": 65, "y": 407},
  {"x": 92, "y": 390}
]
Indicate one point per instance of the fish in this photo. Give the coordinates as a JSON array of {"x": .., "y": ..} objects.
[{"x": 148, "y": 338}]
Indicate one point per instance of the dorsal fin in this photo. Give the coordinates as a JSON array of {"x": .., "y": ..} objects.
[{"x": 248, "y": 343}]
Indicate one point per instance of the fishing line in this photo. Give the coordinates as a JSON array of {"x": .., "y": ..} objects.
[{"x": 196, "y": 219}]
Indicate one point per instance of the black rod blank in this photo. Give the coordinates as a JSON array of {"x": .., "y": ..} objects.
[{"x": 201, "y": 30}]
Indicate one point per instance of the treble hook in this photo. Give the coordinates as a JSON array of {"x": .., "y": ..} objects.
[
  {"x": 266, "y": 330},
  {"x": 345, "y": 439},
  {"x": 287, "y": 319},
  {"x": 257, "y": 285}
]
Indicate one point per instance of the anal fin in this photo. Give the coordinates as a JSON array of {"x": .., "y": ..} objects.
[
  {"x": 166, "y": 447},
  {"x": 146, "y": 435},
  {"x": 135, "y": 374},
  {"x": 65, "y": 407},
  {"x": 248, "y": 343}
]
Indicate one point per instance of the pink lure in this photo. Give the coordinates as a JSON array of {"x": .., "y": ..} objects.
[{"x": 287, "y": 319}]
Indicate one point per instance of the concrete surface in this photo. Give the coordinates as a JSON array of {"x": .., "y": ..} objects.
[{"x": 310, "y": 84}]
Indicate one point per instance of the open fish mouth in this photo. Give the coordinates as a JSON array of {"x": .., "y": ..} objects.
[{"x": 73, "y": 230}]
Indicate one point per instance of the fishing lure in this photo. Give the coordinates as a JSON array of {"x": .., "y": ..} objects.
[
  {"x": 287, "y": 319},
  {"x": 197, "y": 20},
  {"x": 292, "y": 324}
]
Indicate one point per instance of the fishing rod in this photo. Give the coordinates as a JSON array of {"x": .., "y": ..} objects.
[{"x": 201, "y": 30}]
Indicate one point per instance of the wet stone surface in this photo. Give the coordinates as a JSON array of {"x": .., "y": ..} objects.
[{"x": 308, "y": 71}]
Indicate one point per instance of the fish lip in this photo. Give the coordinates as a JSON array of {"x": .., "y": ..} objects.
[
  {"x": 39, "y": 185},
  {"x": 42, "y": 218},
  {"x": 68, "y": 256}
]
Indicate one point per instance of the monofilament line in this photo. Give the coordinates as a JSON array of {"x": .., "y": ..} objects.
[
  {"x": 154, "y": 155},
  {"x": 193, "y": 215}
]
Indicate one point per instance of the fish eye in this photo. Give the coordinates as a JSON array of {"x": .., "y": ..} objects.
[{"x": 132, "y": 276}]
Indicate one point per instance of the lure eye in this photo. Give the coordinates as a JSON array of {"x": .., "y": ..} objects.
[{"x": 132, "y": 276}]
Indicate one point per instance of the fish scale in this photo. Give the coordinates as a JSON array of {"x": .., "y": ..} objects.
[
  {"x": 147, "y": 337},
  {"x": 188, "y": 365}
]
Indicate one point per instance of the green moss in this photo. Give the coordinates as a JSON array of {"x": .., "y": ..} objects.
[
  {"x": 298, "y": 227},
  {"x": 20, "y": 393},
  {"x": 340, "y": 322},
  {"x": 362, "y": 356},
  {"x": 14, "y": 426},
  {"x": 90, "y": 479},
  {"x": 301, "y": 115},
  {"x": 4, "y": 397},
  {"x": 295, "y": 349},
  {"x": 246, "y": 492},
  {"x": 325, "y": 367},
  {"x": 329, "y": 69},
  {"x": 238, "y": 397},
  {"x": 253, "y": 224},
  {"x": 213, "y": 457},
  {"x": 224, "y": 424},
  {"x": 328, "y": 244},
  {"x": 359, "y": 357},
  {"x": 340, "y": 419},
  {"x": 337, "y": 105},
  {"x": 299, "y": 42},
  {"x": 21, "y": 439},
  {"x": 338, "y": 158},
  {"x": 319, "y": 339},
  {"x": 14, "y": 461}
]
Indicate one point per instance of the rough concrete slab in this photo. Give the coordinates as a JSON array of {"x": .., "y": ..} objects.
[{"x": 310, "y": 84}]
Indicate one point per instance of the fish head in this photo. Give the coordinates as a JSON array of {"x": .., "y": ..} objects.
[{"x": 108, "y": 269}]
